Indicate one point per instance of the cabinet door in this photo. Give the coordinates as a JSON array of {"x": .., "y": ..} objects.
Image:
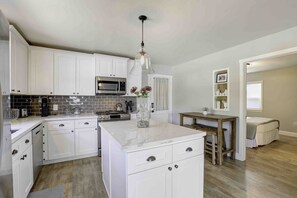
[
  {"x": 187, "y": 179},
  {"x": 154, "y": 183},
  {"x": 60, "y": 144},
  {"x": 21, "y": 67},
  {"x": 105, "y": 146},
  {"x": 12, "y": 48},
  {"x": 85, "y": 75},
  {"x": 134, "y": 77},
  {"x": 120, "y": 67},
  {"x": 16, "y": 177},
  {"x": 64, "y": 74},
  {"x": 86, "y": 141},
  {"x": 41, "y": 70},
  {"x": 26, "y": 173},
  {"x": 104, "y": 66}
]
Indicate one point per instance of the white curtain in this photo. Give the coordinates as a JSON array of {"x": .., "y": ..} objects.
[{"x": 160, "y": 90}]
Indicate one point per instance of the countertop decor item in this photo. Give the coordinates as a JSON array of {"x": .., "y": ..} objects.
[
  {"x": 143, "y": 111},
  {"x": 142, "y": 59},
  {"x": 205, "y": 111}
]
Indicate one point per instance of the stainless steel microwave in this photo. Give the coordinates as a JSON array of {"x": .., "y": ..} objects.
[{"x": 110, "y": 86}]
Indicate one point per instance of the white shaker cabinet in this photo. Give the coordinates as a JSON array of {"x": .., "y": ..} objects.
[
  {"x": 111, "y": 66},
  {"x": 74, "y": 74},
  {"x": 22, "y": 166},
  {"x": 65, "y": 73},
  {"x": 18, "y": 62},
  {"x": 41, "y": 68},
  {"x": 85, "y": 75}
]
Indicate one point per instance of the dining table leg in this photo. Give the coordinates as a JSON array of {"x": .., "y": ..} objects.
[
  {"x": 233, "y": 142},
  {"x": 181, "y": 120},
  {"x": 220, "y": 142}
]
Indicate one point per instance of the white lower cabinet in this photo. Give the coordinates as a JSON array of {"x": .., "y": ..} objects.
[
  {"x": 169, "y": 171},
  {"x": 155, "y": 183},
  {"x": 68, "y": 139},
  {"x": 61, "y": 144},
  {"x": 22, "y": 167},
  {"x": 86, "y": 141}
]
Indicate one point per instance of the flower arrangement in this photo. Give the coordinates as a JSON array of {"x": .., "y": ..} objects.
[{"x": 142, "y": 93}]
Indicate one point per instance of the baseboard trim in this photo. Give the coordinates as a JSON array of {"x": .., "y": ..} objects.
[{"x": 287, "y": 133}]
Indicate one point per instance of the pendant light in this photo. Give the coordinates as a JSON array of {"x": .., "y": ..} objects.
[{"x": 142, "y": 59}]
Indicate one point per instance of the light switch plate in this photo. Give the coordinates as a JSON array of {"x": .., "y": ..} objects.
[{"x": 55, "y": 107}]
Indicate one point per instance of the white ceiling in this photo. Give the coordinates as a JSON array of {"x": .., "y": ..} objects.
[
  {"x": 177, "y": 30},
  {"x": 272, "y": 63}
]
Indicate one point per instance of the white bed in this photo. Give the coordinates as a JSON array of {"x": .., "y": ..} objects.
[{"x": 267, "y": 130}]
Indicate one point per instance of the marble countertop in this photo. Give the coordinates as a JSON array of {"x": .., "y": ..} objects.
[
  {"x": 131, "y": 138},
  {"x": 25, "y": 125}
]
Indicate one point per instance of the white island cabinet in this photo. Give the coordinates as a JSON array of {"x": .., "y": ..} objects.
[{"x": 162, "y": 161}]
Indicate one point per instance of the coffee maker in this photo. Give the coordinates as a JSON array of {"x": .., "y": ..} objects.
[{"x": 44, "y": 107}]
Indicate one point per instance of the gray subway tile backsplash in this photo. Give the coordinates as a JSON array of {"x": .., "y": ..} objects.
[{"x": 90, "y": 103}]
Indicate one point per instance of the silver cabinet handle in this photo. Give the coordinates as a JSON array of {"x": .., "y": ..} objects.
[
  {"x": 151, "y": 159},
  {"x": 169, "y": 168},
  {"x": 61, "y": 125},
  {"x": 176, "y": 166},
  {"x": 86, "y": 123},
  {"x": 189, "y": 149}
]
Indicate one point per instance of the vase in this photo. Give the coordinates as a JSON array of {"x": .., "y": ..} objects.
[{"x": 143, "y": 113}]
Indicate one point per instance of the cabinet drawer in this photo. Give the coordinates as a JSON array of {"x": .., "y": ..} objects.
[
  {"x": 147, "y": 159},
  {"x": 60, "y": 125},
  {"x": 86, "y": 123},
  {"x": 21, "y": 145},
  {"x": 188, "y": 149}
]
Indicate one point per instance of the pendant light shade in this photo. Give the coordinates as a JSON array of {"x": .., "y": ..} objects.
[{"x": 142, "y": 59}]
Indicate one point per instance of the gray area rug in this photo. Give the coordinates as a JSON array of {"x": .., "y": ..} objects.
[{"x": 56, "y": 192}]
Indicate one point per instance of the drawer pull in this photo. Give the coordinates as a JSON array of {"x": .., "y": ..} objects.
[
  {"x": 151, "y": 159},
  {"x": 14, "y": 151},
  {"x": 27, "y": 141},
  {"x": 176, "y": 166},
  {"x": 169, "y": 168},
  {"x": 86, "y": 123},
  {"x": 22, "y": 158},
  {"x": 61, "y": 125},
  {"x": 37, "y": 132},
  {"x": 189, "y": 149}
]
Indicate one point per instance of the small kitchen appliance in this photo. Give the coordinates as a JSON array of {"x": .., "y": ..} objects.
[{"x": 44, "y": 107}]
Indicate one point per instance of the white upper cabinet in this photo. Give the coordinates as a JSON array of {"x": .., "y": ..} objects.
[
  {"x": 65, "y": 73},
  {"x": 41, "y": 68},
  {"x": 85, "y": 75},
  {"x": 111, "y": 66},
  {"x": 18, "y": 63},
  {"x": 134, "y": 78},
  {"x": 74, "y": 74}
]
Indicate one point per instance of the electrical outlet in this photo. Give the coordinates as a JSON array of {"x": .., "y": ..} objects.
[{"x": 55, "y": 107}]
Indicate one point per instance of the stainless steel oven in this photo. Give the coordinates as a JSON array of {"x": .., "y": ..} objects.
[{"x": 110, "y": 85}]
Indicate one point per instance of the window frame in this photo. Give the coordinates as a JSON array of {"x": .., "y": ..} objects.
[{"x": 262, "y": 91}]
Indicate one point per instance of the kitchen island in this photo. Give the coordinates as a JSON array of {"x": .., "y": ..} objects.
[{"x": 162, "y": 161}]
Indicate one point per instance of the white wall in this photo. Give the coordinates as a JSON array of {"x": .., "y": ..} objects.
[{"x": 192, "y": 81}]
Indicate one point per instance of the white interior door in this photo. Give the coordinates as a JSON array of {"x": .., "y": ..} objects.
[{"x": 161, "y": 97}]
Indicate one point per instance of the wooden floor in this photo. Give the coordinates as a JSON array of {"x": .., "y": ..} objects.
[{"x": 270, "y": 171}]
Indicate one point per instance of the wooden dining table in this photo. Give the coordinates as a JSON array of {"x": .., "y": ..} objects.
[{"x": 220, "y": 119}]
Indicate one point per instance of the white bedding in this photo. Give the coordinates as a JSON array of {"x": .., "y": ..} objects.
[{"x": 266, "y": 133}]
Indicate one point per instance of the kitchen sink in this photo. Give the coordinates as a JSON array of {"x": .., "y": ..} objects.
[{"x": 14, "y": 130}]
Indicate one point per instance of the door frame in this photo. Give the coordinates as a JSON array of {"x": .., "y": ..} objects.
[
  {"x": 242, "y": 95},
  {"x": 169, "y": 77}
]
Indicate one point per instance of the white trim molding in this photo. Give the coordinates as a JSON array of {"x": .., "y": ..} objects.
[{"x": 287, "y": 133}]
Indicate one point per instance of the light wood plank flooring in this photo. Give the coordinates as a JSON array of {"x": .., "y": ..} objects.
[{"x": 270, "y": 171}]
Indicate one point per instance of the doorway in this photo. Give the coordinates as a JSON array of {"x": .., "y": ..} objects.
[
  {"x": 243, "y": 94},
  {"x": 161, "y": 97}
]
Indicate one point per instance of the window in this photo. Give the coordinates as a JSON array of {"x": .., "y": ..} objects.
[{"x": 255, "y": 96}]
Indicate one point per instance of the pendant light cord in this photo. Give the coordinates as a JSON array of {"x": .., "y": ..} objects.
[{"x": 142, "y": 43}]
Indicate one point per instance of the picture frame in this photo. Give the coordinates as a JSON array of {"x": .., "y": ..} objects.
[{"x": 222, "y": 77}]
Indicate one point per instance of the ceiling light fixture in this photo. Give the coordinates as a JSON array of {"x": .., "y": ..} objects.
[{"x": 142, "y": 59}]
